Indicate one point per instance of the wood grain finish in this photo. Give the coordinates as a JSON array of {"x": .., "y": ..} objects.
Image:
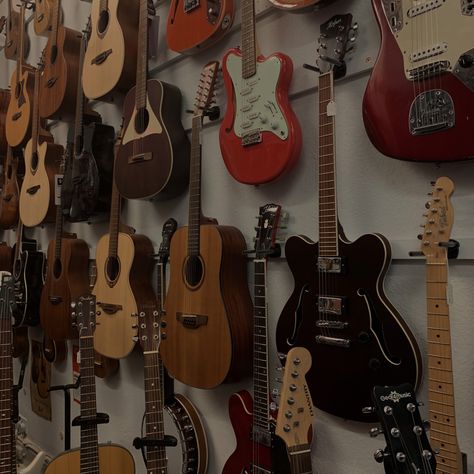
[
  {"x": 9, "y": 205},
  {"x": 219, "y": 350},
  {"x": 12, "y": 42},
  {"x": 117, "y": 43},
  {"x": 44, "y": 16},
  {"x": 4, "y": 101},
  {"x": 63, "y": 288}
]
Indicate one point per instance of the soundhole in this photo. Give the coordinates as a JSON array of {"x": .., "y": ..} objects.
[
  {"x": 57, "y": 268},
  {"x": 103, "y": 21},
  {"x": 193, "y": 270},
  {"x": 112, "y": 269},
  {"x": 34, "y": 162},
  {"x": 54, "y": 54},
  {"x": 141, "y": 120}
]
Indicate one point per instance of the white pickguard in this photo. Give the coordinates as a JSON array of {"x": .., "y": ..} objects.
[
  {"x": 257, "y": 108},
  {"x": 426, "y": 34},
  {"x": 154, "y": 125}
]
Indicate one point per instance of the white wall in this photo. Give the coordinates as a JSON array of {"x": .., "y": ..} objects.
[{"x": 375, "y": 194}]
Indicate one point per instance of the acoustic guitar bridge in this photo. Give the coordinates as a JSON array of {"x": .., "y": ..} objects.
[
  {"x": 33, "y": 189},
  {"x": 100, "y": 58},
  {"x": 140, "y": 158},
  {"x": 191, "y": 321},
  {"x": 55, "y": 299},
  {"x": 109, "y": 308},
  {"x": 51, "y": 82},
  {"x": 16, "y": 116}
]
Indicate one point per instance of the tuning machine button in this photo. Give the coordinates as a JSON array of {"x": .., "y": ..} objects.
[
  {"x": 418, "y": 430},
  {"x": 374, "y": 432},
  {"x": 401, "y": 457},
  {"x": 388, "y": 410},
  {"x": 395, "y": 432},
  {"x": 275, "y": 393},
  {"x": 427, "y": 454},
  {"x": 368, "y": 410},
  {"x": 379, "y": 455}
]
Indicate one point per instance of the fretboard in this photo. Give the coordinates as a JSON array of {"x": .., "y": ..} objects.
[
  {"x": 9, "y": 24},
  {"x": 142, "y": 56},
  {"x": 35, "y": 118},
  {"x": 19, "y": 240},
  {"x": 328, "y": 230},
  {"x": 194, "y": 221},
  {"x": 80, "y": 100},
  {"x": 58, "y": 241},
  {"x": 21, "y": 48},
  {"x": 300, "y": 459},
  {"x": 114, "y": 224},
  {"x": 55, "y": 23},
  {"x": 249, "y": 54},
  {"x": 260, "y": 349},
  {"x": 440, "y": 371},
  {"x": 89, "y": 440},
  {"x": 103, "y": 5}
]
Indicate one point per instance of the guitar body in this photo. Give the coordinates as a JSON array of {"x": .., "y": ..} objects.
[
  {"x": 6, "y": 257},
  {"x": 37, "y": 196},
  {"x": 299, "y": 6},
  {"x": 272, "y": 459},
  {"x": 20, "y": 108},
  {"x": 12, "y": 45},
  {"x": 389, "y": 97},
  {"x": 193, "y": 26},
  {"x": 44, "y": 16},
  {"x": 10, "y": 196},
  {"x": 66, "y": 280},
  {"x": 113, "y": 459},
  {"x": 128, "y": 294},
  {"x": 276, "y": 143},
  {"x": 155, "y": 162},
  {"x": 381, "y": 347},
  {"x": 110, "y": 61},
  {"x": 58, "y": 86},
  {"x": 4, "y": 101},
  {"x": 216, "y": 346},
  {"x": 28, "y": 272}
]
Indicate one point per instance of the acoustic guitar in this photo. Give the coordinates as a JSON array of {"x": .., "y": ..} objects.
[
  {"x": 67, "y": 278},
  {"x": 42, "y": 161},
  {"x": 193, "y": 26},
  {"x": 260, "y": 137},
  {"x": 10, "y": 195},
  {"x": 296, "y": 411},
  {"x": 19, "y": 112},
  {"x": 253, "y": 419},
  {"x": 123, "y": 286},
  {"x": 338, "y": 309},
  {"x": 13, "y": 36},
  {"x": 4, "y": 101},
  {"x": 111, "y": 56},
  {"x": 91, "y": 456},
  {"x": 153, "y": 159},
  {"x": 419, "y": 99},
  {"x": 44, "y": 16},
  {"x": 61, "y": 70},
  {"x": 208, "y": 309}
]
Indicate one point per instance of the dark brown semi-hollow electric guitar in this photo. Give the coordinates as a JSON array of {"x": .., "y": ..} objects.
[
  {"x": 61, "y": 70},
  {"x": 338, "y": 309},
  {"x": 208, "y": 307},
  {"x": 153, "y": 159}
]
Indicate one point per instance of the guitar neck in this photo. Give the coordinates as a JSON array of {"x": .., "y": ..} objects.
[
  {"x": 58, "y": 241},
  {"x": 249, "y": 49},
  {"x": 21, "y": 49},
  {"x": 328, "y": 228},
  {"x": 114, "y": 225},
  {"x": 194, "y": 223},
  {"x": 55, "y": 22},
  {"x": 260, "y": 349},
  {"x": 35, "y": 121},
  {"x": 142, "y": 58},
  {"x": 80, "y": 102},
  {"x": 19, "y": 240},
  {"x": 89, "y": 439},
  {"x": 440, "y": 371},
  {"x": 9, "y": 22},
  {"x": 300, "y": 459}
]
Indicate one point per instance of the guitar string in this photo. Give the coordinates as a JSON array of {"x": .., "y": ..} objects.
[{"x": 425, "y": 461}]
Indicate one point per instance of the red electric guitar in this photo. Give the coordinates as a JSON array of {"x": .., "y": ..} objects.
[
  {"x": 253, "y": 420},
  {"x": 420, "y": 98},
  {"x": 260, "y": 136}
]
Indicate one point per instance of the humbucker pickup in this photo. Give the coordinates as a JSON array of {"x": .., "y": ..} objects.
[
  {"x": 328, "y": 324},
  {"x": 262, "y": 437},
  {"x": 331, "y": 304},
  {"x": 190, "y": 5},
  {"x": 330, "y": 264},
  {"x": 191, "y": 321},
  {"x": 333, "y": 341}
]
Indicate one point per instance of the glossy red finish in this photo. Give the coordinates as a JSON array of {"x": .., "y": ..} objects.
[
  {"x": 387, "y": 102},
  {"x": 268, "y": 160}
]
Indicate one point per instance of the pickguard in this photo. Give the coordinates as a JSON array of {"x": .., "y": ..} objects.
[
  {"x": 256, "y": 108},
  {"x": 425, "y": 35},
  {"x": 154, "y": 125}
]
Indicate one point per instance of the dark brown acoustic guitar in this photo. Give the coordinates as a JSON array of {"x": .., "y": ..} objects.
[
  {"x": 10, "y": 195},
  {"x": 4, "y": 101}
]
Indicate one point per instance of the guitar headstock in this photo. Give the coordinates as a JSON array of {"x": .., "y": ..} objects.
[
  {"x": 408, "y": 449},
  {"x": 7, "y": 298},
  {"x": 267, "y": 229},
  {"x": 206, "y": 88},
  {"x": 84, "y": 315},
  {"x": 296, "y": 412},
  {"x": 169, "y": 228},
  {"x": 439, "y": 219},
  {"x": 337, "y": 35},
  {"x": 3, "y": 22}
]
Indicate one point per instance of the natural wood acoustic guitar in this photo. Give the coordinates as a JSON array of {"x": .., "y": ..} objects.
[
  {"x": 44, "y": 16},
  {"x": 208, "y": 308},
  {"x": 12, "y": 42},
  {"x": 10, "y": 195}
]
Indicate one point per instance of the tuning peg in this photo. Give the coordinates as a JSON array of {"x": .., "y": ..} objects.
[
  {"x": 275, "y": 393},
  {"x": 280, "y": 369},
  {"x": 368, "y": 410},
  {"x": 433, "y": 183},
  {"x": 135, "y": 338},
  {"x": 401, "y": 457},
  {"x": 395, "y": 432},
  {"x": 427, "y": 204},
  {"x": 427, "y": 454},
  {"x": 388, "y": 410},
  {"x": 281, "y": 356},
  {"x": 419, "y": 236},
  {"x": 380, "y": 455},
  {"x": 411, "y": 407},
  {"x": 374, "y": 432}
]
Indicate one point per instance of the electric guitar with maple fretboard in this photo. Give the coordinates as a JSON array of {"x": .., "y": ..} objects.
[{"x": 338, "y": 309}]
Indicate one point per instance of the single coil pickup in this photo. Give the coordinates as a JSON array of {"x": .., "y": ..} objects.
[
  {"x": 109, "y": 308},
  {"x": 331, "y": 304},
  {"x": 330, "y": 264},
  {"x": 102, "y": 57},
  {"x": 425, "y": 8},
  {"x": 252, "y": 138},
  {"x": 33, "y": 189},
  {"x": 190, "y": 5},
  {"x": 262, "y": 437},
  {"x": 191, "y": 321},
  {"x": 424, "y": 72},
  {"x": 139, "y": 158},
  {"x": 434, "y": 50},
  {"x": 333, "y": 341},
  {"x": 331, "y": 324}
]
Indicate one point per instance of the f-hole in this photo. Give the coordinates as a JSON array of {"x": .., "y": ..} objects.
[
  {"x": 112, "y": 269},
  {"x": 141, "y": 120},
  {"x": 298, "y": 316},
  {"x": 57, "y": 268},
  {"x": 103, "y": 22},
  {"x": 193, "y": 271}
]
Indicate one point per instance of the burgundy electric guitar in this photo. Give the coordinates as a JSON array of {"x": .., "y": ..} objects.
[
  {"x": 420, "y": 98},
  {"x": 258, "y": 449},
  {"x": 260, "y": 136}
]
